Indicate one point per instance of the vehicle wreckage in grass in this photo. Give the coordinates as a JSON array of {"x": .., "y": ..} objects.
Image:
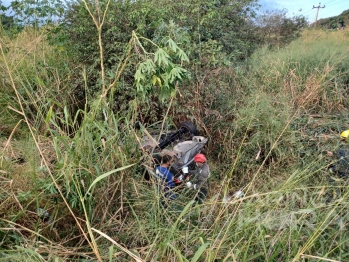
[{"x": 182, "y": 144}]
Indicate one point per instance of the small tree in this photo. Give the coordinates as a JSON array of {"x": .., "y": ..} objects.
[
  {"x": 37, "y": 12},
  {"x": 276, "y": 29}
]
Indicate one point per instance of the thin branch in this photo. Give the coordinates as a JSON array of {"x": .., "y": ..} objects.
[{"x": 92, "y": 245}]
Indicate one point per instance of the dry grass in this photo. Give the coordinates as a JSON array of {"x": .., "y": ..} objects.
[
  {"x": 307, "y": 95},
  {"x": 253, "y": 144}
]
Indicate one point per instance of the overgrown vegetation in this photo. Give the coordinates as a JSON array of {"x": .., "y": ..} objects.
[
  {"x": 71, "y": 183},
  {"x": 335, "y": 22}
]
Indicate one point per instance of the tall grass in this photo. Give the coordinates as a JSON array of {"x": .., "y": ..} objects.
[
  {"x": 87, "y": 175},
  {"x": 312, "y": 69}
]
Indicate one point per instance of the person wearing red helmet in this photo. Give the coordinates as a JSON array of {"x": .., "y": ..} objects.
[{"x": 200, "y": 178}]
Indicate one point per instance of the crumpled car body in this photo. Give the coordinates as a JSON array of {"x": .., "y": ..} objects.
[{"x": 183, "y": 144}]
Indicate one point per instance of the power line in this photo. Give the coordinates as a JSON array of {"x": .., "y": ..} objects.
[
  {"x": 307, "y": 11},
  {"x": 329, "y": 11},
  {"x": 333, "y": 11},
  {"x": 330, "y": 2},
  {"x": 336, "y": 3}
]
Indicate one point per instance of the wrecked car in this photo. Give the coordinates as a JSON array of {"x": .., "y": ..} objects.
[{"x": 183, "y": 144}]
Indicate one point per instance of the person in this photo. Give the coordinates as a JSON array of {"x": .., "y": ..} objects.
[
  {"x": 200, "y": 177},
  {"x": 164, "y": 179},
  {"x": 340, "y": 167}
]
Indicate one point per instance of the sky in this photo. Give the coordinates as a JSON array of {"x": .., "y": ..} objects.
[
  {"x": 305, "y": 7},
  {"x": 295, "y": 7}
]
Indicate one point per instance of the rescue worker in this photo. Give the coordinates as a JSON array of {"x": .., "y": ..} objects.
[
  {"x": 341, "y": 167},
  {"x": 345, "y": 135},
  {"x": 164, "y": 179},
  {"x": 199, "y": 178}
]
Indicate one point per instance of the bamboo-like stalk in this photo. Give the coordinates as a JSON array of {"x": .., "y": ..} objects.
[
  {"x": 92, "y": 244},
  {"x": 138, "y": 259},
  {"x": 99, "y": 25}
]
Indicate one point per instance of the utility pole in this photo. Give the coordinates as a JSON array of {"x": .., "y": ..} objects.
[{"x": 317, "y": 12}]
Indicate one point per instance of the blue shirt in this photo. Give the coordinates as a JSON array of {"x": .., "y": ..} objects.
[{"x": 165, "y": 178}]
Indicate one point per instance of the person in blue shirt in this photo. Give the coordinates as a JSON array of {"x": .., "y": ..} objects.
[{"x": 164, "y": 179}]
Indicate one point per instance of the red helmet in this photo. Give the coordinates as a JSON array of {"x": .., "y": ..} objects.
[{"x": 200, "y": 158}]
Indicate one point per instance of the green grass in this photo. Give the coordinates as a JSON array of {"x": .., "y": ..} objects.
[{"x": 269, "y": 141}]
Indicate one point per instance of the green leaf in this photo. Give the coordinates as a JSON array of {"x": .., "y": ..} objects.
[
  {"x": 139, "y": 87},
  {"x": 172, "y": 45},
  {"x": 49, "y": 115},
  {"x": 161, "y": 57},
  {"x": 176, "y": 74},
  {"x": 159, "y": 81},
  {"x": 139, "y": 76},
  {"x": 182, "y": 56},
  {"x": 253, "y": 257},
  {"x": 153, "y": 80},
  {"x": 165, "y": 78},
  {"x": 149, "y": 66},
  {"x": 180, "y": 257},
  {"x": 111, "y": 253},
  {"x": 106, "y": 175},
  {"x": 199, "y": 252},
  {"x": 173, "y": 92}
]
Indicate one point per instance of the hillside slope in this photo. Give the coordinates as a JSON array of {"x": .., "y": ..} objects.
[{"x": 335, "y": 22}]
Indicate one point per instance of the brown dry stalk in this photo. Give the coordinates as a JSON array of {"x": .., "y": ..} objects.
[
  {"x": 163, "y": 121},
  {"x": 93, "y": 245},
  {"x": 303, "y": 97},
  {"x": 138, "y": 259},
  {"x": 10, "y": 138},
  {"x": 99, "y": 25},
  {"x": 319, "y": 258}
]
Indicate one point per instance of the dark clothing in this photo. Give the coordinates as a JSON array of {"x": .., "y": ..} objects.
[
  {"x": 200, "y": 182},
  {"x": 164, "y": 179},
  {"x": 200, "y": 176},
  {"x": 339, "y": 173},
  {"x": 340, "y": 167},
  {"x": 201, "y": 195}
]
